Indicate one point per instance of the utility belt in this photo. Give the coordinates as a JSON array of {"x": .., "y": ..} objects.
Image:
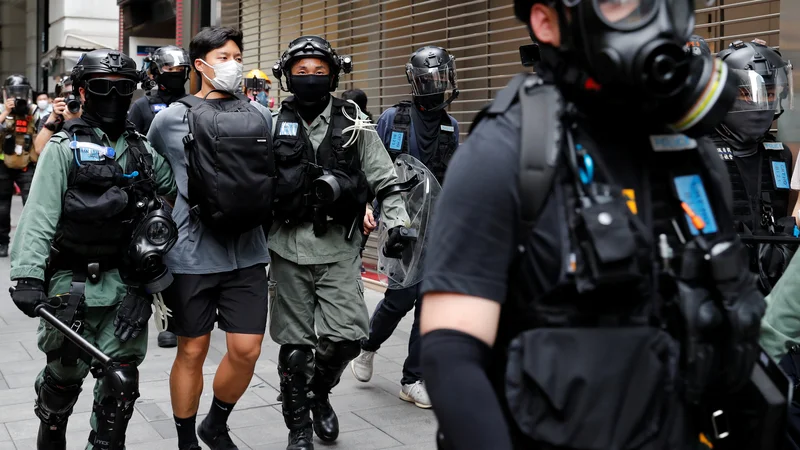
[{"x": 72, "y": 309}]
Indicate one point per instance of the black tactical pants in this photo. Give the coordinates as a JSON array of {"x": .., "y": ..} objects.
[
  {"x": 8, "y": 177},
  {"x": 395, "y": 305}
]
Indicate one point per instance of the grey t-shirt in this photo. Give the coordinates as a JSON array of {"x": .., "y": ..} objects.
[{"x": 200, "y": 250}]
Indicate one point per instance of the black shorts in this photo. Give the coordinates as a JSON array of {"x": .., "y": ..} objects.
[{"x": 236, "y": 299}]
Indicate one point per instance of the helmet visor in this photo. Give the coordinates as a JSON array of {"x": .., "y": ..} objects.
[
  {"x": 167, "y": 59},
  {"x": 433, "y": 80},
  {"x": 753, "y": 94},
  {"x": 20, "y": 91},
  {"x": 625, "y": 14},
  {"x": 780, "y": 89}
]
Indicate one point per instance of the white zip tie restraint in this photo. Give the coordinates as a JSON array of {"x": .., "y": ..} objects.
[
  {"x": 161, "y": 312},
  {"x": 358, "y": 125}
]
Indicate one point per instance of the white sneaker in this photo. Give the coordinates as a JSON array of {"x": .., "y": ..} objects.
[
  {"x": 362, "y": 366},
  {"x": 416, "y": 394}
]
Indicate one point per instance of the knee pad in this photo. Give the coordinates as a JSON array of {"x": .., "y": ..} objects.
[
  {"x": 55, "y": 400},
  {"x": 121, "y": 389},
  {"x": 294, "y": 359},
  {"x": 340, "y": 351}
]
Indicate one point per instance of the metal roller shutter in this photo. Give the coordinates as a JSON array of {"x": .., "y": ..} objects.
[{"x": 484, "y": 36}]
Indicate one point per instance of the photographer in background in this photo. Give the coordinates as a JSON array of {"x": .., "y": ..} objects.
[{"x": 65, "y": 107}]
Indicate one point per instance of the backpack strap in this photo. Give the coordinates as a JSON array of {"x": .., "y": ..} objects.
[
  {"x": 190, "y": 101},
  {"x": 541, "y": 134},
  {"x": 401, "y": 125}
]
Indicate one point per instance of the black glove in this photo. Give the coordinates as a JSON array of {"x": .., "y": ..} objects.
[
  {"x": 132, "y": 315},
  {"x": 28, "y": 294},
  {"x": 399, "y": 239}
]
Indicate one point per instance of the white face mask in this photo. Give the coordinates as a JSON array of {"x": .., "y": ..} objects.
[
  {"x": 43, "y": 104},
  {"x": 228, "y": 75}
]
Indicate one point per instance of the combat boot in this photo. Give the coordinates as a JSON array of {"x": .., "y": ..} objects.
[
  {"x": 331, "y": 360},
  {"x": 292, "y": 364},
  {"x": 301, "y": 439},
  {"x": 52, "y": 437}
]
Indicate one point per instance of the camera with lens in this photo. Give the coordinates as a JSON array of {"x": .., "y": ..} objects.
[
  {"x": 153, "y": 237},
  {"x": 326, "y": 188},
  {"x": 73, "y": 104}
]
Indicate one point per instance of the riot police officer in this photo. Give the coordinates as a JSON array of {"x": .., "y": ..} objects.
[
  {"x": 17, "y": 134},
  {"x": 90, "y": 238},
  {"x": 586, "y": 284},
  {"x": 424, "y": 130},
  {"x": 169, "y": 69},
  {"x": 759, "y": 166},
  {"x": 327, "y": 160}
]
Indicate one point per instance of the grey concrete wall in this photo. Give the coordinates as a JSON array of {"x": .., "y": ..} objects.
[
  {"x": 789, "y": 123},
  {"x": 12, "y": 37}
]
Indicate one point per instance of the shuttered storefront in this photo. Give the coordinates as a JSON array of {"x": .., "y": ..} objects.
[{"x": 482, "y": 34}]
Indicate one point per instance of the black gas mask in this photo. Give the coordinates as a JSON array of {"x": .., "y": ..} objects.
[
  {"x": 153, "y": 237},
  {"x": 631, "y": 53}
]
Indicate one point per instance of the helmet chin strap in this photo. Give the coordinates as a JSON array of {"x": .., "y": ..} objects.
[{"x": 453, "y": 96}]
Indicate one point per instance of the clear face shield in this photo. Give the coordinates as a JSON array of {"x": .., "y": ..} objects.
[
  {"x": 434, "y": 80},
  {"x": 780, "y": 90},
  {"x": 20, "y": 92},
  {"x": 171, "y": 61},
  {"x": 753, "y": 93}
]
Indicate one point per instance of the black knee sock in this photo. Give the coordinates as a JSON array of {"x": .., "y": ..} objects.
[
  {"x": 219, "y": 412},
  {"x": 186, "y": 433}
]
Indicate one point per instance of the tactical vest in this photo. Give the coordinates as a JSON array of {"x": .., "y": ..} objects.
[
  {"x": 102, "y": 204},
  {"x": 589, "y": 281},
  {"x": 446, "y": 141},
  {"x": 757, "y": 204},
  {"x": 18, "y": 150},
  {"x": 299, "y": 165}
]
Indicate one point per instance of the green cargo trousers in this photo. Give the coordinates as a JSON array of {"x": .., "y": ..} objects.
[
  {"x": 98, "y": 328},
  {"x": 325, "y": 300}
]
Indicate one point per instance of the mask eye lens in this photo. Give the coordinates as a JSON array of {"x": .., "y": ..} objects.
[
  {"x": 158, "y": 233},
  {"x": 625, "y": 14}
]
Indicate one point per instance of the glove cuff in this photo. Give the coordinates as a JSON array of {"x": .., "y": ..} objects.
[{"x": 30, "y": 282}]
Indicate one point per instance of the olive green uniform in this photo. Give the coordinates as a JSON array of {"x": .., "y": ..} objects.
[
  {"x": 780, "y": 327},
  {"x": 316, "y": 287},
  {"x": 31, "y": 248}
]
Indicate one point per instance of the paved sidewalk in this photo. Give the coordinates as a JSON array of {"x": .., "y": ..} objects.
[{"x": 370, "y": 414}]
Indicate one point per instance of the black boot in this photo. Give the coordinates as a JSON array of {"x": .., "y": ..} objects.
[
  {"x": 301, "y": 439},
  {"x": 53, "y": 407},
  {"x": 52, "y": 437},
  {"x": 292, "y": 364},
  {"x": 330, "y": 361}
]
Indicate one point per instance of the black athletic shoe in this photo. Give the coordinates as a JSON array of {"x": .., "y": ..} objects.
[
  {"x": 216, "y": 437},
  {"x": 167, "y": 339},
  {"x": 301, "y": 439},
  {"x": 191, "y": 447}
]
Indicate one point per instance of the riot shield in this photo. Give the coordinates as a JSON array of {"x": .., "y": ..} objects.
[{"x": 418, "y": 188}]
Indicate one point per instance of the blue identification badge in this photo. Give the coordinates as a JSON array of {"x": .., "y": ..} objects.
[
  {"x": 773, "y": 146},
  {"x": 289, "y": 129},
  {"x": 780, "y": 175},
  {"x": 90, "y": 152},
  {"x": 448, "y": 128},
  {"x": 691, "y": 191},
  {"x": 157, "y": 107},
  {"x": 396, "y": 143}
]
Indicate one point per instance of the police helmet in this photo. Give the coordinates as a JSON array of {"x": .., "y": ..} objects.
[
  {"x": 168, "y": 56},
  {"x": 431, "y": 70},
  {"x": 311, "y": 47},
  {"x": 105, "y": 61},
  {"x": 256, "y": 80},
  {"x": 17, "y": 86},
  {"x": 764, "y": 75}
]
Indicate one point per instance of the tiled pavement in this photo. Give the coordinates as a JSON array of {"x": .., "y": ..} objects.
[{"x": 370, "y": 414}]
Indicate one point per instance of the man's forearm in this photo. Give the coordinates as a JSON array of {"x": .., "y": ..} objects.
[{"x": 41, "y": 140}]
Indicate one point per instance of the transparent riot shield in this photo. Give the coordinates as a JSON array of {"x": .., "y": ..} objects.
[{"x": 419, "y": 191}]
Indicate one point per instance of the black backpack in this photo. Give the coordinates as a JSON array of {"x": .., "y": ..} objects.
[{"x": 230, "y": 164}]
